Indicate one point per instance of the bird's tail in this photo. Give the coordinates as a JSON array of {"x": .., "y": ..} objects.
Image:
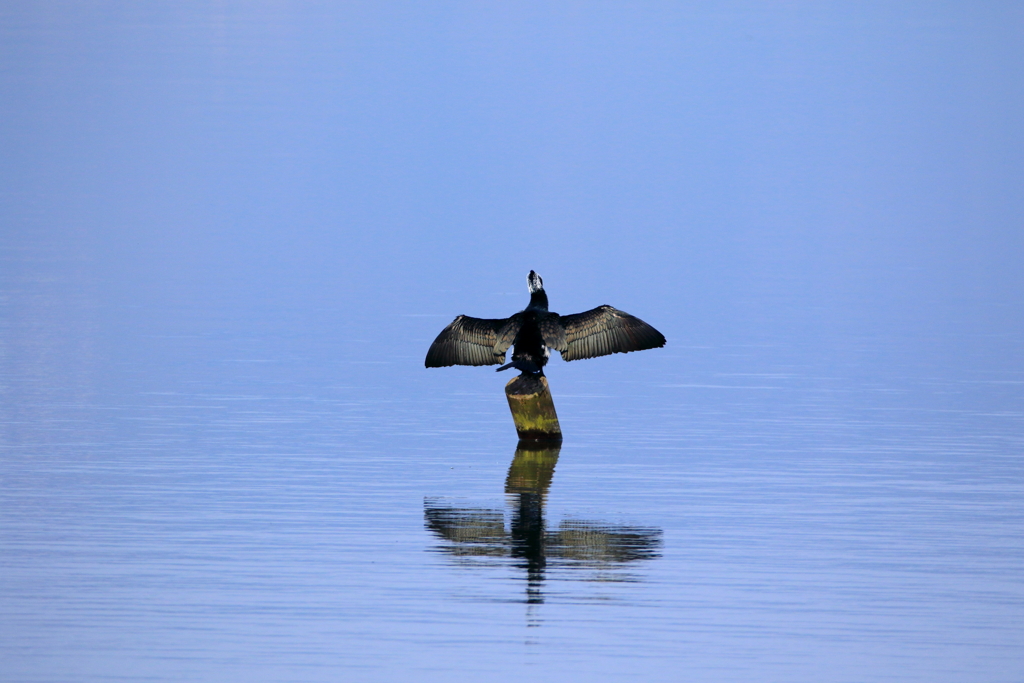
[{"x": 522, "y": 366}]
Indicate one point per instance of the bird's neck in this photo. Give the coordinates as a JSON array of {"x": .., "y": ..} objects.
[{"x": 538, "y": 300}]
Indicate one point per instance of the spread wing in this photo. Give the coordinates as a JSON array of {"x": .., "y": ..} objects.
[
  {"x": 472, "y": 341},
  {"x": 552, "y": 331},
  {"x": 605, "y": 330}
]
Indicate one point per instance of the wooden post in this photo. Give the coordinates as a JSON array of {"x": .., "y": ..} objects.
[{"x": 532, "y": 409}]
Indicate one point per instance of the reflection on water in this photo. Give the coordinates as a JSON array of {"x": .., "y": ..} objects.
[{"x": 527, "y": 542}]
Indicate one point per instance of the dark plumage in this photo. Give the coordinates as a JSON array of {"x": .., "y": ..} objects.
[{"x": 535, "y": 330}]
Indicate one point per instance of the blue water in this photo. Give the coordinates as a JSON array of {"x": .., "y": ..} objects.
[{"x": 229, "y": 235}]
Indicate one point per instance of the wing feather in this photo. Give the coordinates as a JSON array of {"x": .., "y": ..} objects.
[
  {"x": 605, "y": 330},
  {"x": 553, "y": 332},
  {"x": 507, "y": 333},
  {"x": 470, "y": 341}
]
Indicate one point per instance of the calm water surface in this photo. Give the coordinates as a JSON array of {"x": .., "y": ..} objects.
[
  {"x": 229, "y": 234},
  {"x": 272, "y": 506}
]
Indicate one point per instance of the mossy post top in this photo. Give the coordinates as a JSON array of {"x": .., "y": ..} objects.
[{"x": 533, "y": 410}]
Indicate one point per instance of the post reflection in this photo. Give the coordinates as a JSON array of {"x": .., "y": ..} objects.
[{"x": 476, "y": 535}]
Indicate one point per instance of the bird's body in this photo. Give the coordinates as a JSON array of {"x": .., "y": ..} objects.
[{"x": 535, "y": 330}]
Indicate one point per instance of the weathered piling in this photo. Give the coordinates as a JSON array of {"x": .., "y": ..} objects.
[{"x": 529, "y": 399}]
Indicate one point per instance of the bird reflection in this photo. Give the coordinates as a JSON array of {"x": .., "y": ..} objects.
[{"x": 470, "y": 533}]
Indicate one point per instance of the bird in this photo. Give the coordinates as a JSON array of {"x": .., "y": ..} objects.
[{"x": 535, "y": 330}]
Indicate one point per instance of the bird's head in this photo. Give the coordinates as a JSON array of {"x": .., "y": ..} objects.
[{"x": 536, "y": 284}]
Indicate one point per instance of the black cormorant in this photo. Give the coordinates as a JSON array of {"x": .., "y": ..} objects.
[{"x": 533, "y": 331}]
